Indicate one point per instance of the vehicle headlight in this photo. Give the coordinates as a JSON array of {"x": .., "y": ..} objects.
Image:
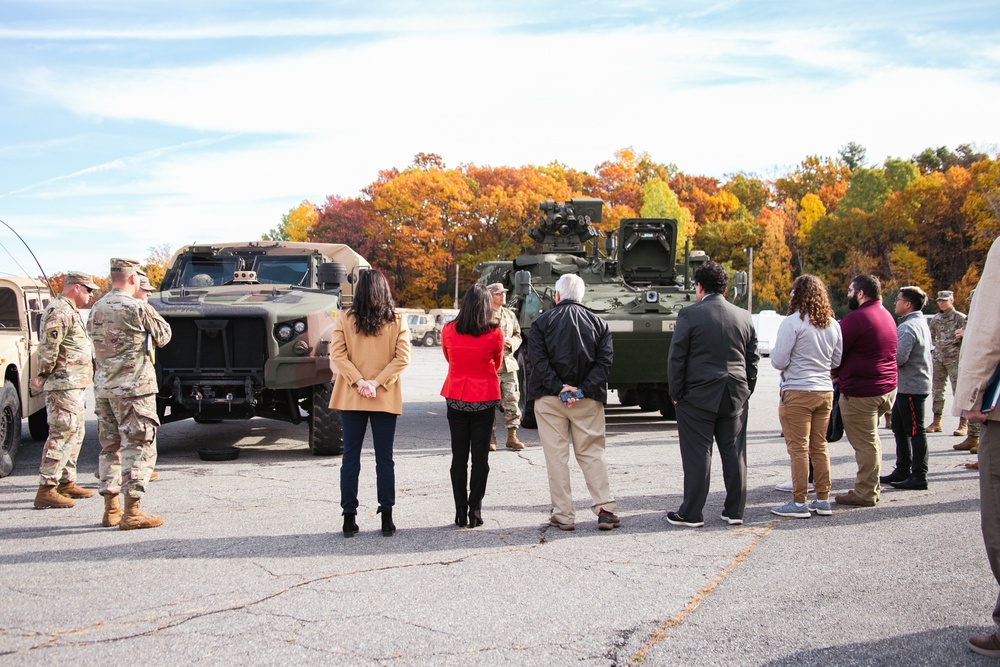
[
  {"x": 284, "y": 333},
  {"x": 299, "y": 327}
]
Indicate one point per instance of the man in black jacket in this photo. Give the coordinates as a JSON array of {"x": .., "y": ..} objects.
[
  {"x": 712, "y": 370},
  {"x": 570, "y": 352}
]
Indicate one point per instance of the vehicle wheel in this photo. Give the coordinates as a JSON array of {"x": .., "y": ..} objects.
[
  {"x": 202, "y": 420},
  {"x": 326, "y": 432},
  {"x": 38, "y": 425},
  {"x": 10, "y": 427},
  {"x": 427, "y": 340},
  {"x": 668, "y": 410},
  {"x": 627, "y": 397}
]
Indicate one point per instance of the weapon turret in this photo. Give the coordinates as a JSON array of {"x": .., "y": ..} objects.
[{"x": 565, "y": 228}]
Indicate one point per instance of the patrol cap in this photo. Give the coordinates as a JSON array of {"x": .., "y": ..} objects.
[
  {"x": 144, "y": 283},
  {"x": 124, "y": 265},
  {"x": 496, "y": 288},
  {"x": 945, "y": 294},
  {"x": 80, "y": 278}
]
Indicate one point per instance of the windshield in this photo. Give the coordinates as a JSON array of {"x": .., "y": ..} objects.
[{"x": 211, "y": 271}]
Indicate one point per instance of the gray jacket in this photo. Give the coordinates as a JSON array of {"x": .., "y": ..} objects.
[{"x": 913, "y": 355}]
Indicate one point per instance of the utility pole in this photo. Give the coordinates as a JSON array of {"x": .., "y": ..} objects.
[
  {"x": 749, "y": 253},
  {"x": 455, "y": 306}
]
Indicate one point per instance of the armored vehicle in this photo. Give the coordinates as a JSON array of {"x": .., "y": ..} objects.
[
  {"x": 252, "y": 325},
  {"x": 22, "y": 301},
  {"x": 632, "y": 281}
]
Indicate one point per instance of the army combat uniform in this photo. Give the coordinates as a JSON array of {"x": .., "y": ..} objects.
[
  {"x": 125, "y": 332},
  {"x": 66, "y": 366},
  {"x": 510, "y": 395},
  {"x": 947, "y": 345}
]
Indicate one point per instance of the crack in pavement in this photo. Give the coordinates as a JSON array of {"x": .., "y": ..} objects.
[{"x": 695, "y": 600}]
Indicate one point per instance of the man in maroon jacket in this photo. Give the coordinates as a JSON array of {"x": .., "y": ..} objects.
[{"x": 867, "y": 377}]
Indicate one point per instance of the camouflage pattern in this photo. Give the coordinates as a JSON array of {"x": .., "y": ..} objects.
[
  {"x": 509, "y": 393},
  {"x": 65, "y": 353},
  {"x": 947, "y": 346},
  {"x": 66, "y": 429},
  {"x": 126, "y": 468},
  {"x": 125, "y": 332}
]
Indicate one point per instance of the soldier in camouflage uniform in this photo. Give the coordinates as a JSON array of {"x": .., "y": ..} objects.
[
  {"x": 509, "y": 394},
  {"x": 65, "y": 370},
  {"x": 947, "y": 344},
  {"x": 125, "y": 331}
]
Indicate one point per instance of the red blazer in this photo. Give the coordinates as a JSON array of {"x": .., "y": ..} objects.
[{"x": 472, "y": 365}]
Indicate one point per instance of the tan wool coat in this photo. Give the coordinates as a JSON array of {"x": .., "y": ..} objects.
[
  {"x": 980, "y": 352},
  {"x": 358, "y": 357}
]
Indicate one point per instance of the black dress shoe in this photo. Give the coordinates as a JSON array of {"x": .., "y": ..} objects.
[
  {"x": 475, "y": 518},
  {"x": 911, "y": 484},
  {"x": 350, "y": 527},
  {"x": 388, "y": 527},
  {"x": 896, "y": 475},
  {"x": 461, "y": 519}
]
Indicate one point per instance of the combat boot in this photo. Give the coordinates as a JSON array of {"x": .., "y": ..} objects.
[
  {"x": 963, "y": 426},
  {"x": 71, "y": 490},
  {"x": 135, "y": 519},
  {"x": 512, "y": 441},
  {"x": 493, "y": 439},
  {"x": 970, "y": 444},
  {"x": 112, "y": 512},
  {"x": 48, "y": 498},
  {"x": 935, "y": 426}
]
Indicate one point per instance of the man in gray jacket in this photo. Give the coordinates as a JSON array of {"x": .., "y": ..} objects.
[{"x": 913, "y": 362}]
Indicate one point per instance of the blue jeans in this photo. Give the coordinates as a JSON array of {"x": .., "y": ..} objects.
[{"x": 383, "y": 431}]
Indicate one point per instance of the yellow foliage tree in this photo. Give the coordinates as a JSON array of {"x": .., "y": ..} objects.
[
  {"x": 772, "y": 266},
  {"x": 963, "y": 288},
  {"x": 908, "y": 268},
  {"x": 156, "y": 263}
]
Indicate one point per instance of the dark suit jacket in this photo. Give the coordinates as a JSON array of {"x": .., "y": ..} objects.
[{"x": 714, "y": 349}]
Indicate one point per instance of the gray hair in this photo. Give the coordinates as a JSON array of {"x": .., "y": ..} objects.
[{"x": 571, "y": 287}]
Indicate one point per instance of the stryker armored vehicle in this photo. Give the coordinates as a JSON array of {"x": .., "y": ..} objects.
[
  {"x": 633, "y": 283},
  {"x": 252, "y": 325}
]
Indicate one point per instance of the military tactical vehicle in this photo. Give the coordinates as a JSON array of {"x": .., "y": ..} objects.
[
  {"x": 423, "y": 330},
  {"x": 252, "y": 326},
  {"x": 22, "y": 301},
  {"x": 633, "y": 283}
]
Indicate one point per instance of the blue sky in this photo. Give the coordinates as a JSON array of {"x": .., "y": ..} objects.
[{"x": 125, "y": 125}]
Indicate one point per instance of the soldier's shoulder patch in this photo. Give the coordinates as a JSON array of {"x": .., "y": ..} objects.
[
  {"x": 51, "y": 324},
  {"x": 53, "y": 334}
]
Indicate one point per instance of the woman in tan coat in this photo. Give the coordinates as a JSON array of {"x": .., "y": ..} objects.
[{"x": 371, "y": 348}]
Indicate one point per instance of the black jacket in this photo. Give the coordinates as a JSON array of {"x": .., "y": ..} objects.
[{"x": 569, "y": 345}]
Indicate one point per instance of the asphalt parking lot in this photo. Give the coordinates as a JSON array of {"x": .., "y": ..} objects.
[{"x": 250, "y": 566}]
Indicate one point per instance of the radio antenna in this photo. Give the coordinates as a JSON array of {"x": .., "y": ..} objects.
[{"x": 47, "y": 282}]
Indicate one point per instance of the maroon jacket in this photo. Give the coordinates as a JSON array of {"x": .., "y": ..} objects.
[{"x": 868, "y": 367}]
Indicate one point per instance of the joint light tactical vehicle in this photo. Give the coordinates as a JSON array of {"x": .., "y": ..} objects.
[
  {"x": 633, "y": 283},
  {"x": 252, "y": 326}
]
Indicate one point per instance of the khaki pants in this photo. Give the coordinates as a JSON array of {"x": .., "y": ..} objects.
[
  {"x": 861, "y": 416},
  {"x": 581, "y": 425},
  {"x": 804, "y": 416},
  {"x": 989, "y": 499}
]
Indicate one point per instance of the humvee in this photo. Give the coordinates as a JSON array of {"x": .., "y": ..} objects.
[{"x": 252, "y": 324}]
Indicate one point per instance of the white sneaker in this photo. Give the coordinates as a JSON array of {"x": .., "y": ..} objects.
[{"x": 787, "y": 486}]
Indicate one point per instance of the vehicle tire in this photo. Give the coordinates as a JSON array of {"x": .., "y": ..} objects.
[
  {"x": 10, "y": 427},
  {"x": 202, "y": 420},
  {"x": 627, "y": 397},
  {"x": 326, "y": 431},
  {"x": 38, "y": 425},
  {"x": 668, "y": 410},
  {"x": 427, "y": 340}
]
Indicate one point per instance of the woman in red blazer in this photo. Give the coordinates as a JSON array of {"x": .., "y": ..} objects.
[{"x": 473, "y": 346}]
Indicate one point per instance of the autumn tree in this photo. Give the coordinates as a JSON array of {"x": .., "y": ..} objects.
[
  {"x": 982, "y": 205},
  {"x": 824, "y": 177},
  {"x": 296, "y": 225},
  {"x": 751, "y": 192},
  {"x": 661, "y": 202},
  {"x": 772, "y": 263},
  {"x": 156, "y": 263}
]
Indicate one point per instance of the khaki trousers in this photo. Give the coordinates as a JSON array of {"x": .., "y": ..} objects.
[
  {"x": 804, "y": 416},
  {"x": 861, "y": 416},
  {"x": 581, "y": 426},
  {"x": 989, "y": 499}
]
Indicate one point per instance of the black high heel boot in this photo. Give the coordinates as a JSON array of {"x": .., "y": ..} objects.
[
  {"x": 461, "y": 519},
  {"x": 475, "y": 518},
  {"x": 350, "y": 527},
  {"x": 388, "y": 527}
]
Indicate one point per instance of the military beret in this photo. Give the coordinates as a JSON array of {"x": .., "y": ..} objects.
[
  {"x": 945, "y": 294},
  {"x": 122, "y": 264},
  {"x": 80, "y": 278}
]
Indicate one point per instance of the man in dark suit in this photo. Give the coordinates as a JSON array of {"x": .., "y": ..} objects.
[{"x": 712, "y": 370}]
